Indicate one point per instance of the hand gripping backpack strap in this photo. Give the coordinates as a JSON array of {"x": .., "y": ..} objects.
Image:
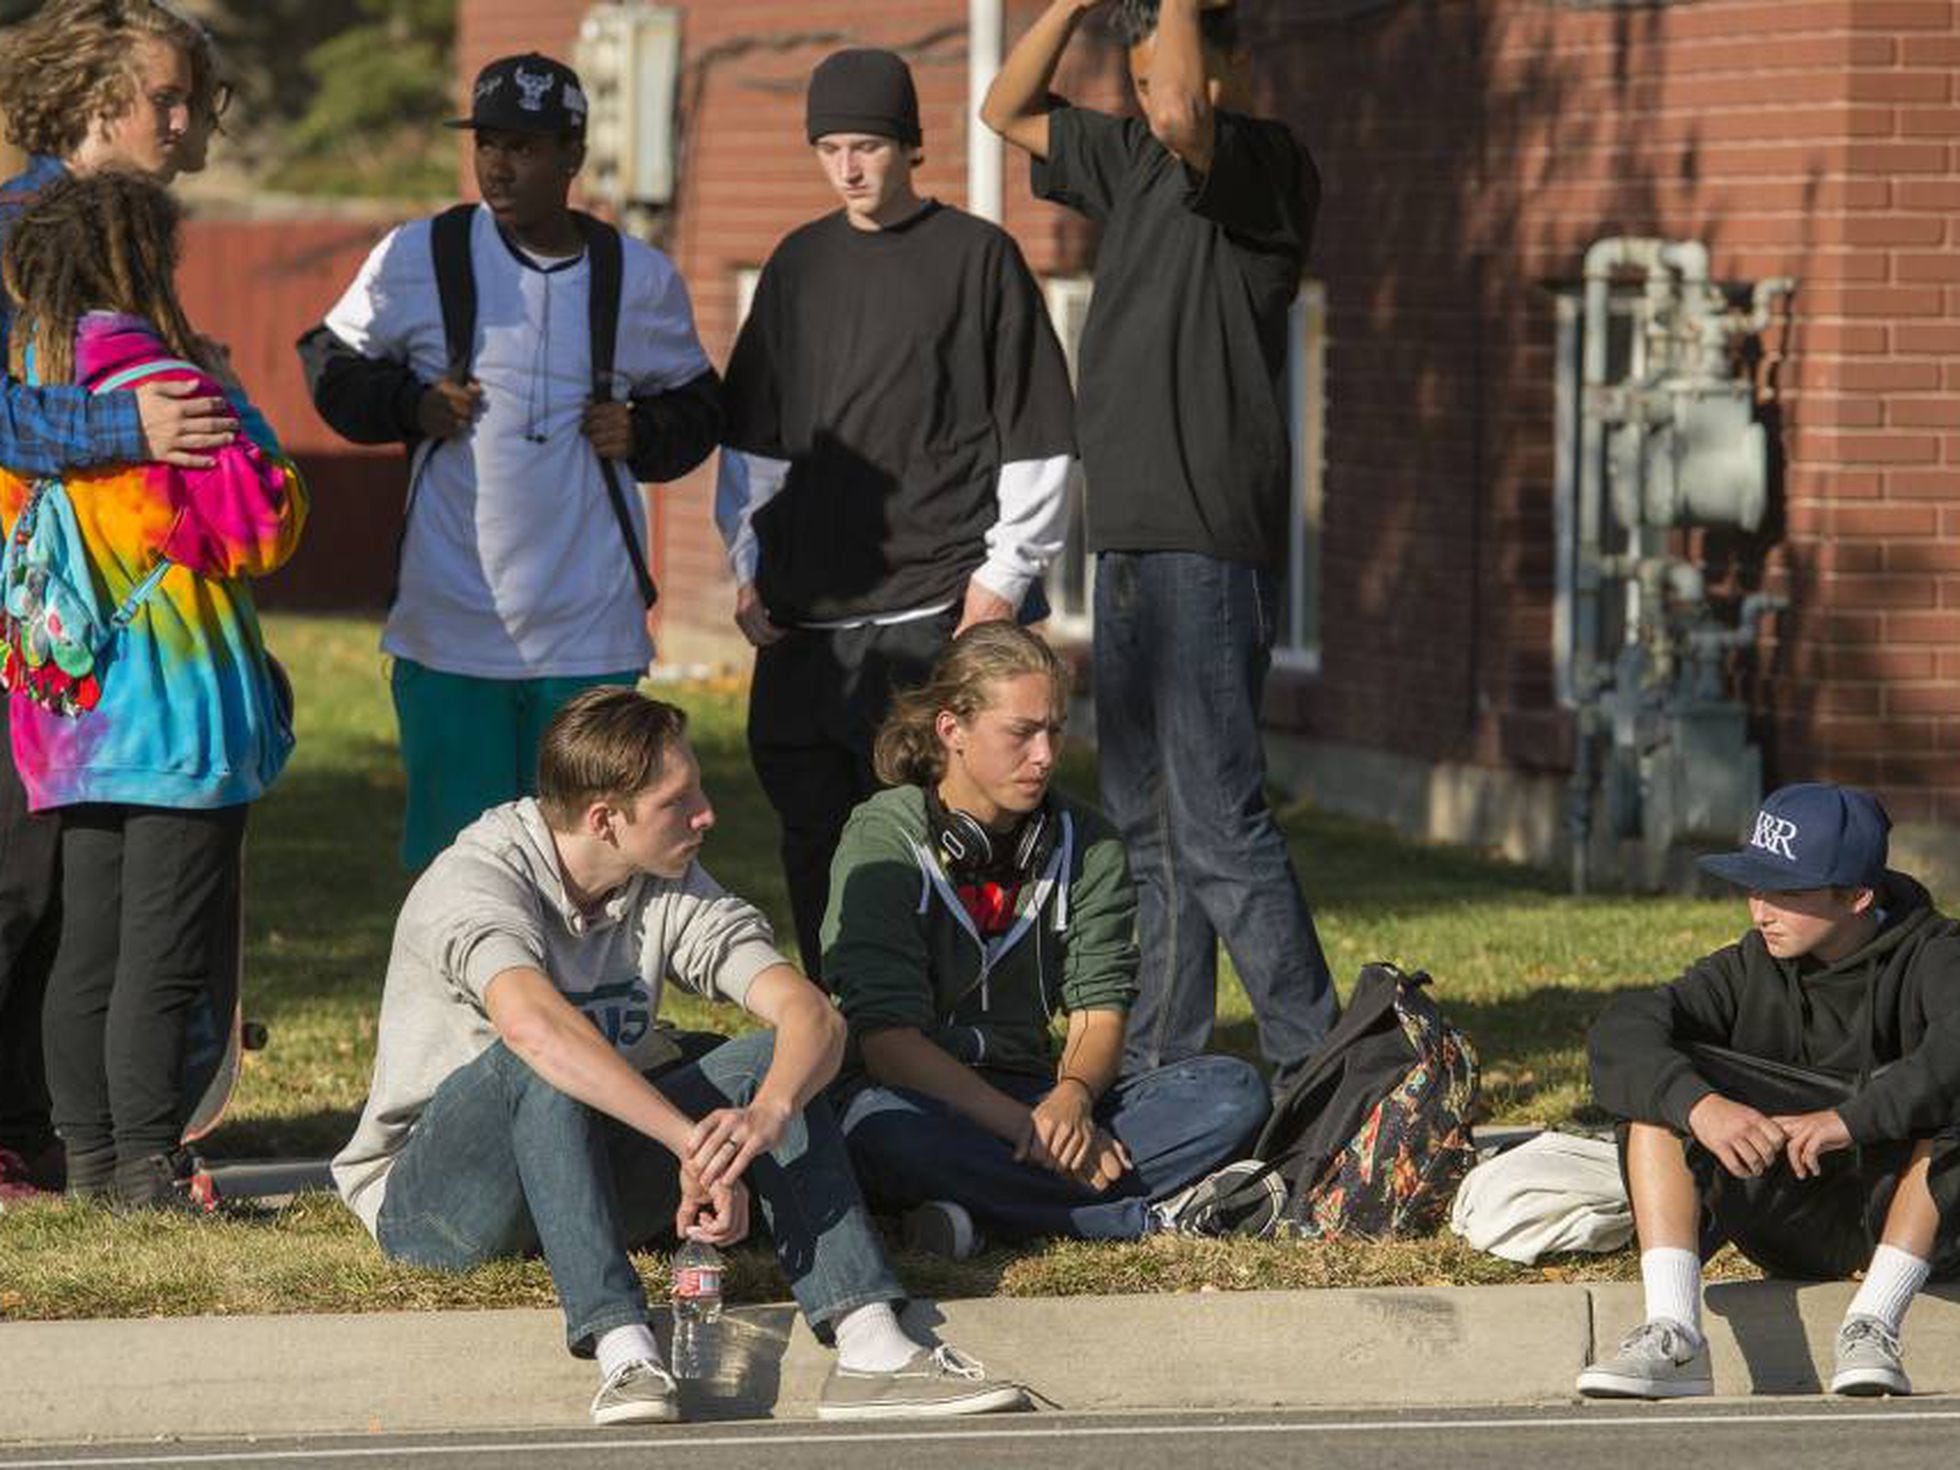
[
  {"x": 606, "y": 256},
  {"x": 449, "y": 247}
]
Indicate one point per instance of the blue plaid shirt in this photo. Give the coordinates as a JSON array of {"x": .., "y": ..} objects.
[{"x": 44, "y": 431}]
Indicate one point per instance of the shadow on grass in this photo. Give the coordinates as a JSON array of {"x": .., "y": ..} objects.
[
  {"x": 317, "y": 1135},
  {"x": 1365, "y": 871}
]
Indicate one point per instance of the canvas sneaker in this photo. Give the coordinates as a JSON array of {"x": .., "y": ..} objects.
[
  {"x": 939, "y": 1227},
  {"x": 638, "y": 1391},
  {"x": 1868, "y": 1362},
  {"x": 936, "y": 1383},
  {"x": 1659, "y": 1359},
  {"x": 1243, "y": 1199}
]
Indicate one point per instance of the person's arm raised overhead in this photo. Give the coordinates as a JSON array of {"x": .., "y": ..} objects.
[
  {"x": 1018, "y": 103},
  {"x": 1177, "y": 99}
]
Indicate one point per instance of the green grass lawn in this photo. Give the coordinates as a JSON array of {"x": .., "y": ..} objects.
[{"x": 1520, "y": 966}]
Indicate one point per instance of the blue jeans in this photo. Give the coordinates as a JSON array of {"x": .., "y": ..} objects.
[
  {"x": 1178, "y": 1123},
  {"x": 502, "y": 1164},
  {"x": 1183, "y": 643}
]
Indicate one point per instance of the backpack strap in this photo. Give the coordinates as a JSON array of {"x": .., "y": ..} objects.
[
  {"x": 606, "y": 256},
  {"x": 115, "y": 383},
  {"x": 130, "y": 376},
  {"x": 449, "y": 241},
  {"x": 449, "y": 250}
]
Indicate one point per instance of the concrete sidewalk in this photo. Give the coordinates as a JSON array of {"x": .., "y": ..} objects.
[{"x": 1395, "y": 1347}]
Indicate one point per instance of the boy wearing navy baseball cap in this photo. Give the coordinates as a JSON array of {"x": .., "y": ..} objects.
[{"x": 1796, "y": 1093}]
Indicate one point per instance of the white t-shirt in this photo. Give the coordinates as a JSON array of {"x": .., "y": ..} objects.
[{"x": 514, "y": 567}]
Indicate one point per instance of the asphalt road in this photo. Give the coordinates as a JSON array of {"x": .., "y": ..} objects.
[{"x": 1782, "y": 1435}]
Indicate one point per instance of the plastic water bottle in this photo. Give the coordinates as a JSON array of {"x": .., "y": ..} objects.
[{"x": 697, "y": 1307}]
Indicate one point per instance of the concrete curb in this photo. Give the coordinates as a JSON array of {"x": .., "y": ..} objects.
[{"x": 1394, "y": 1347}]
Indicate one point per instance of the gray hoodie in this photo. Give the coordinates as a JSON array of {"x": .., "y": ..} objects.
[{"x": 496, "y": 901}]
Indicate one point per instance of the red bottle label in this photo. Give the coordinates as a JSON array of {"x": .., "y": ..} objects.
[{"x": 697, "y": 1281}]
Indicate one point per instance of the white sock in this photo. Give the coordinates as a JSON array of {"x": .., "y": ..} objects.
[
  {"x": 1892, "y": 1280},
  {"x": 869, "y": 1340},
  {"x": 1672, "y": 1277},
  {"x": 622, "y": 1345}
]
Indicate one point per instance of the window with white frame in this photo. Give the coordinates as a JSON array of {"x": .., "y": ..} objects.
[
  {"x": 1297, "y": 644},
  {"x": 747, "y": 278},
  {"x": 1071, "y": 582}
]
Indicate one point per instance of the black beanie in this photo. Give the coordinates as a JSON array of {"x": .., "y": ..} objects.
[{"x": 864, "y": 92}]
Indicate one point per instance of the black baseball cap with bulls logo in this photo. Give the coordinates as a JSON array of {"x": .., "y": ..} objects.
[
  {"x": 526, "y": 94},
  {"x": 1812, "y": 835}
]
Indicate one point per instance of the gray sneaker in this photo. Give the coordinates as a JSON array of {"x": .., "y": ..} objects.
[
  {"x": 1243, "y": 1199},
  {"x": 937, "y": 1383},
  {"x": 638, "y": 1391},
  {"x": 1868, "y": 1361},
  {"x": 939, "y": 1227},
  {"x": 1659, "y": 1359}
]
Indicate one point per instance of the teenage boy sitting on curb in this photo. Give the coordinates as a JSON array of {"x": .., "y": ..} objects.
[
  {"x": 526, "y": 1096},
  {"x": 1847, "y": 969},
  {"x": 969, "y": 906}
]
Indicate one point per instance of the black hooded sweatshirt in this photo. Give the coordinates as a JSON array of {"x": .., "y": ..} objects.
[{"x": 1894, "y": 1003}]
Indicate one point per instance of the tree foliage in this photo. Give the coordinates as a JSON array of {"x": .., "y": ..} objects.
[{"x": 345, "y": 96}]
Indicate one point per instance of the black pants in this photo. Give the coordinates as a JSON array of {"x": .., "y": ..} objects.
[
  {"x": 30, "y": 871},
  {"x": 814, "y": 711},
  {"x": 149, "y": 901}
]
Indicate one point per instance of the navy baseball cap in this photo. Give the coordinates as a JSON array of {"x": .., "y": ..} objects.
[
  {"x": 1812, "y": 835},
  {"x": 526, "y": 94}
]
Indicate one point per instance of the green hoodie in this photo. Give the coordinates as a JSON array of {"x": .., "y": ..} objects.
[{"x": 899, "y": 948}]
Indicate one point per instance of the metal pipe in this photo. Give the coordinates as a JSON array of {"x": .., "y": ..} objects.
[
  {"x": 1603, "y": 258},
  {"x": 985, "y": 159}
]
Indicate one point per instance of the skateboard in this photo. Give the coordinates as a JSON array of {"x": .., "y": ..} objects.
[{"x": 217, "y": 1035}]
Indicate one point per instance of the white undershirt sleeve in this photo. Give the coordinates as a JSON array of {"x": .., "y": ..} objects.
[
  {"x": 1033, "y": 496},
  {"x": 744, "y": 484}
]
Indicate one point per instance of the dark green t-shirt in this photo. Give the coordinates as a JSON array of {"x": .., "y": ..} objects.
[{"x": 1181, "y": 411}]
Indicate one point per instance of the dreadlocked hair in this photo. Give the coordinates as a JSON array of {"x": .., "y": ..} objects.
[
  {"x": 1136, "y": 21},
  {"x": 75, "y": 62},
  {"x": 106, "y": 242}
]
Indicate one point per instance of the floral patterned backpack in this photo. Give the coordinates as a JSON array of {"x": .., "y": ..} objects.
[
  {"x": 1373, "y": 1137},
  {"x": 56, "y": 640}
]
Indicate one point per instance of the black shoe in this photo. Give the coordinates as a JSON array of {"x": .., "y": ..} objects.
[
  {"x": 1245, "y": 1199},
  {"x": 176, "y": 1182}
]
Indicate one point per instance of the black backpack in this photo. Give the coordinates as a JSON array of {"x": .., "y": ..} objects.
[
  {"x": 456, "y": 286},
  {"x": 1373, "y": 1137}
]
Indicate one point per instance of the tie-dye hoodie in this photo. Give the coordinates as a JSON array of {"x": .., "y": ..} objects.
[{"x": 190, "y": 715}]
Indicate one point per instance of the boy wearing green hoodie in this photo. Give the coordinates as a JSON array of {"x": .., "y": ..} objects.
[{"x": 1796, "y": 1093}]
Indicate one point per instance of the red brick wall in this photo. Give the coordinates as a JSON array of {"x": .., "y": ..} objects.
[
  {"x": 255, "y": 286},
  {"x": 1471, "y": 151}
]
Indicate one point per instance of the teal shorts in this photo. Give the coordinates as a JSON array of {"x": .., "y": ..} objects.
[{"x": 470, "y": 744}]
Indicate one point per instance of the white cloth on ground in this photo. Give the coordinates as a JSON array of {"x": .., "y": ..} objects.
[{"x": 1555, "y": 1193}]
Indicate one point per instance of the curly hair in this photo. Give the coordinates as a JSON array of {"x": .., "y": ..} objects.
[
  {"x": 908, "y": 751},
  {"x": 106, "y": 242},
  {"x": 1136, "y": 20},
  {"x": 75, "y": 62}
]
